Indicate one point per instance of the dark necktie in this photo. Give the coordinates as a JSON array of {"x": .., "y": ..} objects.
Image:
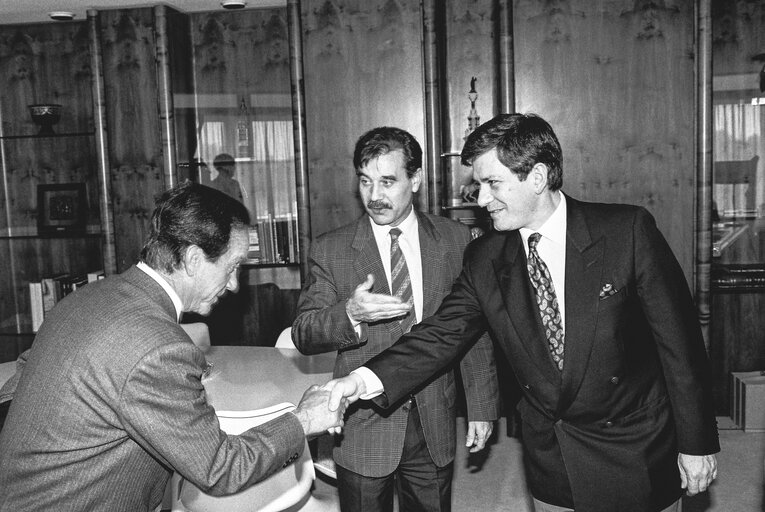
[
  {"x": 547, "y": 301},
  {"x": 399, "y": 273}
]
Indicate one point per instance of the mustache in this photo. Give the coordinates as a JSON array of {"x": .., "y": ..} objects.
[{"x": 378, "y": 205}]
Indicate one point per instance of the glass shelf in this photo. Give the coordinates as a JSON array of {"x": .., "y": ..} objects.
[{"x": 48, "y": 136}]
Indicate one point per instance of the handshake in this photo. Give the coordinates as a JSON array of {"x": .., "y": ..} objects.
[{"x": 322, "y": 407}]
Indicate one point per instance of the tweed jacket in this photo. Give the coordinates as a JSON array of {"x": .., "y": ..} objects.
[
  {"x": 111, "y": 401},
  {"x": 373, "y": 439},
  {"x": 602, "y": 435}
]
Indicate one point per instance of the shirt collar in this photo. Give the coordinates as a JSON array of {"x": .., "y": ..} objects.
[
  {"x": 165, "y": 286},
  {"x": 554, "y": 227},
  {"x": 408, "y": 227}
]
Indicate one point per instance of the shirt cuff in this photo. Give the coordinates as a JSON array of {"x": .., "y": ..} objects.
[{"x": 372, "y": 384}]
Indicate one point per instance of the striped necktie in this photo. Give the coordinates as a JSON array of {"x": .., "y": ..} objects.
[
  {"x": 547, "y": 301},
  {"x": 402, "y": 283}
]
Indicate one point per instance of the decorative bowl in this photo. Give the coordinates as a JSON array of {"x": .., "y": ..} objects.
[{"x": 45, "y": 115}]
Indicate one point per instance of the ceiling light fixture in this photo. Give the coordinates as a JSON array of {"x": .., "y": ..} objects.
[
  {"x": 233, "y": 4},
  {"x": 61, "y": 15}
]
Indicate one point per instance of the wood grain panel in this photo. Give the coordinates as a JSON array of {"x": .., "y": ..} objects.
[
  {"x": 241, "y": 53},
  {"x": 363, "y": 69},
  {"x": 616, "y": 82},
  {"x": 135, "y": 153},
  {"x": 30, "y": 162},
  {"x": 470, "y": 52},
  {"x": 45, "y": 63}
]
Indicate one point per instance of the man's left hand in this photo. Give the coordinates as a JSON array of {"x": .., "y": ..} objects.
[
  {"x": 696, "y": 472},
  {"x": 477, "y": 435}
]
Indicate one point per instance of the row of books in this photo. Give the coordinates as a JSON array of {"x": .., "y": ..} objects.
[
  {"x": 274, "y": 240},
  {"x": 44, "y": 294}
]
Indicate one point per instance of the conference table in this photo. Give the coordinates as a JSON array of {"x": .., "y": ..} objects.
[{"x": 244, "y": 377}]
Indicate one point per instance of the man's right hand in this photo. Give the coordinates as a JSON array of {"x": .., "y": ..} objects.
[
  {"x": 364, "y": 306},
  {"x": 345, "y": 390},
  {"x": 314, "y": 412}
]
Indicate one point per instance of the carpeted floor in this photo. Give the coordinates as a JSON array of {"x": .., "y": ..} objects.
[{"x": 494, "y": 481}]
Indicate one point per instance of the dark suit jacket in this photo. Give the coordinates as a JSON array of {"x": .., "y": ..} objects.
[
  {"x": 372, "y": 439},
  {"x": 635, "y": 388},
  {"x": 111, "y": 401}
]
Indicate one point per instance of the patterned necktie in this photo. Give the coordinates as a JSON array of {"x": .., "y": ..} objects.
[
  {"x": 547, "y": 301},
  {"x": 399, "y": 273}
]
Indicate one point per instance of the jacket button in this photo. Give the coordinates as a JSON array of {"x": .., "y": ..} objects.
[
  {"x": 609, "y": 424},
  {"x": 614, "y": 380}
]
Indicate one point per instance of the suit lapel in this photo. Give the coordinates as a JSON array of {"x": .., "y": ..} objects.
[
  {"x": 584, "y": 265},
  {"x": 521, "y": 307},
  {"x": 431, "y": 273}
]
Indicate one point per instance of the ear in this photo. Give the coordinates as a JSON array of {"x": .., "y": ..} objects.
[
  {"x": 538, "y": 177},
  {"x": 193, "y": 256},
  {"x": 416, "y": 180}
]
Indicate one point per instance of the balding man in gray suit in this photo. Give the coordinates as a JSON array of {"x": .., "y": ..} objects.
[{"x": 111, "y": 399}]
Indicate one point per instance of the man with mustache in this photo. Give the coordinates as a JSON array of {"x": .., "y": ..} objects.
[
  {"x": 361, "y": 295},
  {"x": 110, "y": 401}
]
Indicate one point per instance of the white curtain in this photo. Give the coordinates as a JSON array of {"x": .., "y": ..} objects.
[{"x": 738, "y": 136}]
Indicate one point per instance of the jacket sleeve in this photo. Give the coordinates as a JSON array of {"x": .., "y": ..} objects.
[
  {"x": 432, "y": 344},
  {"x": 174, "y": 422},
  {"x": 669, "y": 309},
  {"x": 479, "y": 378},
  {"x": 322, "y": 325}
]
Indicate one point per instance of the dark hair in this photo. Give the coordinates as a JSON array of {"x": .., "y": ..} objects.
[
  {"x": 191, "y": 214},
  {"x": 521, "y": 140},
  {"x": 383, "y": 140}
]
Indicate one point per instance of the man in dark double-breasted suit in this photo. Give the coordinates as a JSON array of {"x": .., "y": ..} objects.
[
  {"x": 594, "y": 315},
  {"x": 351, "y": 305}
]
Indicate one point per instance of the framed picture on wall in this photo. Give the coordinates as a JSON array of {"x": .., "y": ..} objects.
[{"x": 61, "y": 209}]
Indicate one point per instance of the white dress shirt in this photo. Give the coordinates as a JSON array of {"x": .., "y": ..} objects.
[
  {"x": 165, "y": 286},
  {"x": 409, "y": 241},
  {"x": 552, "y": 250}
]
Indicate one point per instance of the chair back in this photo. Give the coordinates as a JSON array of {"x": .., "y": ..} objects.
[
  {"x": 199, "y": 334},
  {"x": 285, "y": 339},
  {"x": 280, "y": 491}
]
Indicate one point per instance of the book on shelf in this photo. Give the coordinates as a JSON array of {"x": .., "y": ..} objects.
[
  {"x": 52, "y": 290},
  {"x": 36, "y": 302},
  {"x": 95, "y": 275},
  {"x": 277, "y": 240}
]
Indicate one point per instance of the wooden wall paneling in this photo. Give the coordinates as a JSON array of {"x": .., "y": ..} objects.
[
  {"x": 300, "y": 139},
  {"x": 135, "y": 154},
  {"x": 616, "y": 82},
  {"x": 34, "y": 161},
  {"x": 101, "y": 144},
  {"x": 471, "y": 43},
  {"x": 45, "y": 63},
  {"x": 363, "y": 69}
]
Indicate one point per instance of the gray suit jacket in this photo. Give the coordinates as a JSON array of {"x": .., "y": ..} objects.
[
  {"x": 341, "y": 260},
  {"x": 111, "y": 401}
]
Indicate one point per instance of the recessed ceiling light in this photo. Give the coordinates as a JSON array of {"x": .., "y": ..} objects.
[
  {"x": 61, "y": 15},
  {"x": 233, "y": 4}
]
